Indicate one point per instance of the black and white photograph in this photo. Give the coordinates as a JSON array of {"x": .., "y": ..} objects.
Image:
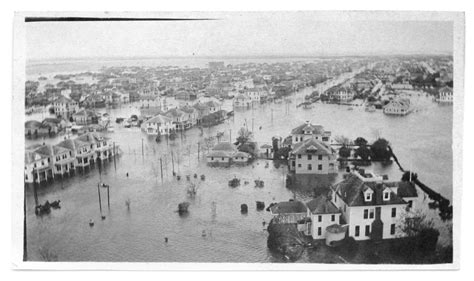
[{"x": 330, "y": 140}]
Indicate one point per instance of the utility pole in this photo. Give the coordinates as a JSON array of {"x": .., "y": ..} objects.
[
  {"x": 172, "y": 161},
  {"x": 199, "y": 148},
  {"x": 161, "y": 167},
  {"x": 108, "y": 196},
  {"x": 100, "y": 201},
  {"x": 115, "y": 165}
]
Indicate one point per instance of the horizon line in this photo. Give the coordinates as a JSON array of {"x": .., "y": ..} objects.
[{"x": 446, "y": 53}]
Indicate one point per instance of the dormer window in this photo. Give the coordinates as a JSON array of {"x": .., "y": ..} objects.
[
  {"x": 368, "y": 195},
  {"x": 386, "y": 195}
]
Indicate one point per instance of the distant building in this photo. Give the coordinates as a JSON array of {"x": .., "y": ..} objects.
[
  {"x": 85, "y": 117},
  {"x": 397, "y": 107},
  {"x": 307, "y": 131},
  {"x": 226, "y": 153},
  {"x": 342, "y": 94},
  {"x": 64, "y": 107},
  {"x": 312, "y": 157},
  {"x": 159, "y": 124},
  {"x": 445, "y": 95},
  {"x": 38, "y": 163},
  {"x": 242, "y": 100}
]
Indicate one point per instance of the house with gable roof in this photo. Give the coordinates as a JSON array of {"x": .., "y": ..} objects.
[
  {"x": 159, "y": 125},
  {"x": 307, "y": 131},
  {"x": 312, "y": 156},
  {"x": 64, "y": 157},
  {"x": 38, "y": 163},
  {"x": 323, "y": 213}
]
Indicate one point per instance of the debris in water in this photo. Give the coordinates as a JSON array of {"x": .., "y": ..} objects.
[
  {"x": 183, "y": 207},
  {"x": 260, "y": 205},
  {"x": 91, "y": 222},
  {"x": 244, "y": 208}
]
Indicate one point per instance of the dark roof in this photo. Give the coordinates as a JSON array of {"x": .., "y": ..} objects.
[
  {"x": 68, "y": 144},
  {"x": 289, "y": 207},
  {"x": 312, "y": 146},
  {"x": 351, "y": 190},
  {"x": 224, "y": 146},
  {"x": 322, "y": 205},
  {"x": 315, "y": 129},
  {"x": 31, "y": 124}
]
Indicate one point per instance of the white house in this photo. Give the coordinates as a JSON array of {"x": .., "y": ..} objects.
[
  {"x": 226, "y": 153},
  {"x": 397, "y": 107},
  {"x": 242, "y": 100},
  {"x": 64, "y": 157},
  {"x": 342, "y": 94},
  {"x": 312, "y": 157},
  {"x": 65, "y": 107},
  {"x": 370, "y": 207},
  {"x": 445, "y": 95},
  {"x": 308, "y": 131},
  {"x": 159, "y": 124},
  {"x": 38, "y": 163},
  {"x": 323, "y": 213}
]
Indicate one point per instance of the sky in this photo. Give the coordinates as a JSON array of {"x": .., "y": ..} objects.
[{"x": 244, "y": 34}]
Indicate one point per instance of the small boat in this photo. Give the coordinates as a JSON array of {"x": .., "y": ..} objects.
[{"x": 91, "y": 222}]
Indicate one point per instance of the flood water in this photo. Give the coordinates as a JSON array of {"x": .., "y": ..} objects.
[{"x": 421, "y": 140}]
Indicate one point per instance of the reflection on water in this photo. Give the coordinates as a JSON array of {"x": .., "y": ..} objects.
[{"x": 421, "y": 140}]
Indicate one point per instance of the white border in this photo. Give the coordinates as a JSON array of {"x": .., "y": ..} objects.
[{"x": 18, "y": 143}]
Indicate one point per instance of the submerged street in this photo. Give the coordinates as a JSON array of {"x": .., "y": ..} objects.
[{"x": 215, "y": 230}]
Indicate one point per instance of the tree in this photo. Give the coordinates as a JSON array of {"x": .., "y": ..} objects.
[
  {"x": 380, "y": 150},
  {"x": 363, "y": 152},
  {"x": 344, "y": 152},
  {"x": 360, "y": 141},
  {"x": 244, "y": 135},
  {"x": 342, "y": 140}
]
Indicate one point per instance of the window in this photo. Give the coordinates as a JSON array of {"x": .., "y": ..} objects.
[
  {"x": 222, "y": 158},
  {"x": 410, "y": 204},
  {"x": 299, "y": 156},
  {"x": 310, "y": 167},
  {"x": 212, "y": 158},
  {"x": 299, "y": 165},
  {"x": 320, "y": 167},
  {"x": 392, "y": 229},
  {"x": 368, "y": 196},
  {"x": 366, "y": 214},
  {"x": 310, "y": 157},
  {"x": 319, "y": 231},
  {"x": 394, "y": 212},
  {"x": 293, "y": 163},
  {"x": 320, "y": 157},
  {"x": 386, "y": 195},
  {"x": 320, "y": 218},
  {"x": 333, "y": 217},
  {"x": 357, "y": 231},
  {"x": 367, "y": 230},
  {"x": 371, "y": 214}
]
